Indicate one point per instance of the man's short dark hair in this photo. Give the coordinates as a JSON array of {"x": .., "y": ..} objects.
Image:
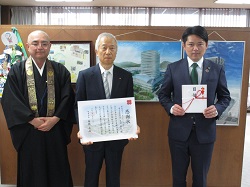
[{"x": 196, "y": 30}]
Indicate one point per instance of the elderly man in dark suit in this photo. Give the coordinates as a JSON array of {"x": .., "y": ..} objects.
[
  {"x": 192, "y": 135},
  {"x": 90, "y": 86}
]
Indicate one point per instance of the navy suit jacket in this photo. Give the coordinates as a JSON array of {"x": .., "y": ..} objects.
[
  {"x": 177, "y": 74},
  {"x": 89, "y": 86}
]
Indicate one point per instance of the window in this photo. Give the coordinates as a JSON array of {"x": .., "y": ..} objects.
[
  {"x": 66, "y": 16},
  {"x": 224, "y": 17},
  {"x": 124, "y": 16},
  {"x": 130, "y": 16},
  {"x": 174, "y": 17}
]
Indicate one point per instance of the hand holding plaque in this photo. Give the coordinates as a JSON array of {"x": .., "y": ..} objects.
[{"x": 108, "y": 119}]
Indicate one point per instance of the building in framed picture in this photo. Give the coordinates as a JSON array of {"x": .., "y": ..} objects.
[{"x": 147, "y": 61}]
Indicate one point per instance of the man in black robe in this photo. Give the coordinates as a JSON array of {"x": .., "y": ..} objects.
[{"x": 38, "y": 106}]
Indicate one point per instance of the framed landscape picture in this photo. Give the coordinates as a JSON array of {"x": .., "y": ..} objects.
[
  {"x": 75, "y": 56},
  {"x": 147, "y": 61}
]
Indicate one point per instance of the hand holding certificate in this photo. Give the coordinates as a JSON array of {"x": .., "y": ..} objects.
[{"x": 108, "y": 119}]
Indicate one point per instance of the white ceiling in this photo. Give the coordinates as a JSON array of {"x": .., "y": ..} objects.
[{"x": 130, "y": 3}]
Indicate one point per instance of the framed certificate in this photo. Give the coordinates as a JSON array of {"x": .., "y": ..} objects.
[
  {"x": 194, "y": 98},
  {"x": 107, "y": 119}
]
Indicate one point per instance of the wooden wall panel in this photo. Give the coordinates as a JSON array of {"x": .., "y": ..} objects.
[
  {"x": 8, "y": 157},
  {"x": 146, "y": 162}
]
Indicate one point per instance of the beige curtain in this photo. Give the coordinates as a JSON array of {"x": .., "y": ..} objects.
[{"x": 130, "y": 16}]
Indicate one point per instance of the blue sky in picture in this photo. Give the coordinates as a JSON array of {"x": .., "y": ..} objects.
[
  {"x": 130, "y": 51},
  {"x": 233, "y": 54}
]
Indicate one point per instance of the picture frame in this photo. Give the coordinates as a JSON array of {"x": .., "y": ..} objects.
[
  {"x": 75, "y": 56},
  {"x": 147, "y": 61},
  {"x": 230, "y": 54},
  {"x": 248, "y": 101}
]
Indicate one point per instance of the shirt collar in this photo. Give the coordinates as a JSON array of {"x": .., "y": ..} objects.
[
  {"x": 190, "y": 62},
  {"x": 110, "y": 70}
]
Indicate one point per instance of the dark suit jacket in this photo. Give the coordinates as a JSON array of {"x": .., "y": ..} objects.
[
  {"x": 89, "y": 86},
  {"x": 177, "y": 74}
]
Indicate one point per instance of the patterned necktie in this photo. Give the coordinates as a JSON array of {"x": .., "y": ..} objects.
[
  {"x": 106, "y": 84},
  {"x": 194, "y": 74}
]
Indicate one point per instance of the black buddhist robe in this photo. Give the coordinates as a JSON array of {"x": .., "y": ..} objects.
[{"x": 42, "y": 156}]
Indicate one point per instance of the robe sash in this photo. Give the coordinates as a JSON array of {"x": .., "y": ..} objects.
[{"x": 32, "y": 88}]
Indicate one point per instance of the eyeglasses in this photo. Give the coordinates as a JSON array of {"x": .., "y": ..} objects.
[{"x": 42, "y": 44}]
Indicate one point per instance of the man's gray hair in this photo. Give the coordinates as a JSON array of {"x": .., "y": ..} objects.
[{"x": 105, "y": 34}]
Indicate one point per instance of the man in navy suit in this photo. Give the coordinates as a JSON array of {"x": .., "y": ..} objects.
[
  {"x": 90, "y": 86},
  {"x": 192, "y": 135}
]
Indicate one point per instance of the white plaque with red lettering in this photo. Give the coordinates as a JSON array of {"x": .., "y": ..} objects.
[{"x": 107, "y": 119}]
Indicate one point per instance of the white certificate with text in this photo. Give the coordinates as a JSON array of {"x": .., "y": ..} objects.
[
  {"x": 107, "y": 119},
  {"x": 194, "y": 98}
]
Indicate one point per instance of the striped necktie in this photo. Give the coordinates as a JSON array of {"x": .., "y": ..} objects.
[{"x": 106, "y": 84}]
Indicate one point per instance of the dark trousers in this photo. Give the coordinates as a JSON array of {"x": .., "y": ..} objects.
[
  {"x": 200, "y": 156},
  {"x": 94, "y": 161}
]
